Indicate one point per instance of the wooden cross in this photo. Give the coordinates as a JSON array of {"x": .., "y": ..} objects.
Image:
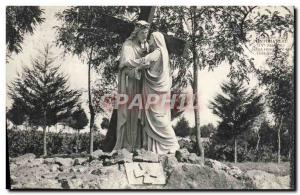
[{"x": 123, "y": 28}]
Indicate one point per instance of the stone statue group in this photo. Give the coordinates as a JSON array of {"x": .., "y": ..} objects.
[{"x": 144, "y": 77}]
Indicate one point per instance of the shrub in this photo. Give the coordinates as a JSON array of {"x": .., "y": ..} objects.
[
  {"x": 22, "y": 142},
  {"x": 182, "y": 128}
]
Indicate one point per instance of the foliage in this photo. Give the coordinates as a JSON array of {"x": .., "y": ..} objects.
[
  {"x": 182, "y": 127},
  {"x": 279, "y": 82},
  {"x": 221, "y": 33},
  {"x": 21, "y": 20},
  {"x": 80, "y": 35},
  {"x": 247, "y": 148},
  {"x": 225, "y": 152},
  {"x": 206, "y": 130},
  {"x": 78, "y": 119},
  {"x": 42, "y": 92},
  {"x": 22, "y": 142},
  {"x": 237, "y": 109},
  {"x": 218, "y": 34},
  {"x": 105, "y": 123},
  {"x": 187, "y": 143},
  {"x": 16, "y": 114}
]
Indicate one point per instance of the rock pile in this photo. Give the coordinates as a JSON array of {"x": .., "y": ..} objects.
[{"x": 103, "y": 170}]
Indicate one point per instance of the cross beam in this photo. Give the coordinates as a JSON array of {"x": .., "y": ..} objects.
[
  {"x": 147, "y": 13},
  {"x": 124, "y": 28}
]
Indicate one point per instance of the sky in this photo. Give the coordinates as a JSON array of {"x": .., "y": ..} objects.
[{"x": 209, "y": 81}]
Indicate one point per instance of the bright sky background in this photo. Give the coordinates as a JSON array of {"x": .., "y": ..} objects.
[{"x": 77, "y": 71}]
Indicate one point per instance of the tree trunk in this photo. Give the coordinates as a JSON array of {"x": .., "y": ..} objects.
[
  {"x": 197, "y": 113},
  {"x": 91, "y": 108},
  {"x": 45, "y": 135},
  {"x": 77, "y": 141},
  {"x": 44, "y": 141},
  {"x": 258, "y": 142},
  {"x": 196, "y": 86},
  {"x": 235, "y": 150},
  {"x": 279, "y": 141},
  {"x": 292, "y": 159}
]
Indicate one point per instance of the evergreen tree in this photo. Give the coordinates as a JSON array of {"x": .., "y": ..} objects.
[
  {"x": 43, "y": 93},
  {"x": 237, "y": 109}
]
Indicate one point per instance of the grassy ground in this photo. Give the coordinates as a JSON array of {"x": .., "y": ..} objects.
[{"x": 281, "y": 169}]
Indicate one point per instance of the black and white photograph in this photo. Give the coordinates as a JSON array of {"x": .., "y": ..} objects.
[{"x": 150, "y": 97}]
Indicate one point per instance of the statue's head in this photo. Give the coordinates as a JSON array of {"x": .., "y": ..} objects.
[
  {"x": 157, "y": 40},
  {"x": 141, "y": 31}
]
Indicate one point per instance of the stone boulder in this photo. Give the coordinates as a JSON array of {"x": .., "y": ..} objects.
[
  {"x": 28, "y": 177},
  {"x": 96, "y": 164},
  {"x": 66, "y": 162},
  {"x": 169, "y": 162},
  {"x": 79, "y": 161},
  {"x": 96, "y": 154},
  {"x": 183, "y": 155},
  {"x": 194, "y": 159},
  {"x": 79, "y": 169},
  {"x": 284, "y": 181},
  {"x": 123, "y": 156},
  {"x": 145, "y": 156},
  {"x": 54, "y": 167},
  {"x": 221, "y": 167},
  {"x": 119, "y": 157},
  {"x": 49, "y": 161},
  {"x": 23, "y": 159},
  {"x": 109, "y": 177},
  {"x": 192, "y": 176},
  {"x": 99, "y": 154},
  {"x": 264, "y": 180},
  {"x": 42, "y": 184}
]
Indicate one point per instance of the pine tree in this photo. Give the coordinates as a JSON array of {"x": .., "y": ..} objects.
[
  {"x": 237, "y": 109},
  {"x": 43, "y": 93}
]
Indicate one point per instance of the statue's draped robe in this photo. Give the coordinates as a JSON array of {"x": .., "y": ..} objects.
[
  {"x": 129, "y": 131},
  {"x": 158, "y": 134}
]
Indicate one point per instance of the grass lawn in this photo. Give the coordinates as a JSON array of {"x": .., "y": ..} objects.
[{"x": 281, "y": 169}]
